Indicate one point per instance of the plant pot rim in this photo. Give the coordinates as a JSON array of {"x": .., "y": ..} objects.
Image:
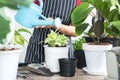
[
  {"x": 11, "y": 51},
  {"x": 87, "y": 46},
  {"x": 96, "y": 45},
  {"x": 68, "y": 60},
  {"x": 56, "y": 47}
]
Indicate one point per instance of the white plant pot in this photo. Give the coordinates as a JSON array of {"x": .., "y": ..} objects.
[
  {"x": 112, "y": 64},
  {"x": 96, "y": 58},
  {"x": 52, "y": 54},
  {"x": 9, "y": 64}
]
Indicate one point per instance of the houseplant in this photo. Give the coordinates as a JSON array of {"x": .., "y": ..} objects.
[
  {"x": 79, "y": 52},
  {"x": 103, "y": 22},
  {"x": 9, "y": 54},
  {"x": 56, "y": 47},
  {"x": 106, "y": 21}
]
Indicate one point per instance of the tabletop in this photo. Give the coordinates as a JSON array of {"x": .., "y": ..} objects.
[{"x": 79, "y": 75}]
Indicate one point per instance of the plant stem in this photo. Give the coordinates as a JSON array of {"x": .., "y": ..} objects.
[{"x": 98, "y": 40}]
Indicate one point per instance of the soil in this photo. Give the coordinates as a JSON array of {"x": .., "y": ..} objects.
[
  {"x": 7, "y": 49},
  {"x": 102, "y": 43}
]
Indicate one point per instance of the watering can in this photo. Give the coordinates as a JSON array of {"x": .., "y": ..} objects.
[{"x": 32, "y": 16}]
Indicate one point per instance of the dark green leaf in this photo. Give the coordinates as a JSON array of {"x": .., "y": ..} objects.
[
  {"x": 80, "y": 29},
  {"x": 119, "y": 2},
  {"x": 98, "y": 28},
  {"x": 80, "y": 13}
]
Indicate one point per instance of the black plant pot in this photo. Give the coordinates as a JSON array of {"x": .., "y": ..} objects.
[
  {"x": 79, "y": 54},
  {"x": 67, "y": 67}
]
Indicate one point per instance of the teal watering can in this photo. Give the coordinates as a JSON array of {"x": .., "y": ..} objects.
[{"x": 32, "y": 16}]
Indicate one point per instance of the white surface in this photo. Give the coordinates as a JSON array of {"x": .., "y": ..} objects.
[
  {"x": 94, "y": 72},
  {"x": 9, "y": 64}
]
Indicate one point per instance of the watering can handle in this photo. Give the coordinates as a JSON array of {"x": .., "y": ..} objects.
[{"x": 41, "y": 4}]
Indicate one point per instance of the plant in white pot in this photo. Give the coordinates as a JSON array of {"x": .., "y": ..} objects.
[
  {"x": 9, "y": 53},
  {"x": 56, "y": 47},
  {"x": 105, "y": 22}
]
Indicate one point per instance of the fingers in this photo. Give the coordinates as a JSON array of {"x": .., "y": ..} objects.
[
  {"x": 46, "y": 26},
  {"x": 50, "y": 19},
  {"x": 43, "y": 26},
  {"x": 39, "y": 27}
]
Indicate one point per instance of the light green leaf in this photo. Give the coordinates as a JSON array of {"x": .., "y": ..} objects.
[{"x": 116, "y": 24}]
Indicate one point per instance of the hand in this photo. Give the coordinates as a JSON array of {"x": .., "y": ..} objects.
[{"x": 46, "y": 27}]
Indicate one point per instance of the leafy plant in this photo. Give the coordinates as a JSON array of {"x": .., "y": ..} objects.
[
  {"x": 56, "y": 40},
  {"x": 107, "y": 20},
  {"x": 77, "y": 45},
  {"x": 19, "y": 38},
  {"x": 5, "y": 27}
]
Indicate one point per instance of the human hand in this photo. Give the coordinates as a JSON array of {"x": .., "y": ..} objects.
[{"x": 46, "y": 27}]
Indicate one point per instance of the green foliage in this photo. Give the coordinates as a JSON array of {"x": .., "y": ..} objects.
[
  {"x": 106, "y": 21},
  {"x": 4, "y": 28},
  {"x": 54, "y": 39},
  {"x": 5, "y": 23},
  {"x": 77, "y": 45},
  {"x": 19, "y": 38},
  {"x": 13, "y": 3}
]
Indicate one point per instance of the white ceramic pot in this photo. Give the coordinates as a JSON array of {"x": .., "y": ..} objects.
[
  {"x": 96, "y": 58},
  {"x": 52, "y": 54},
  {"x": 9, "y": 64},
  {"x": 112, "y": 64}
]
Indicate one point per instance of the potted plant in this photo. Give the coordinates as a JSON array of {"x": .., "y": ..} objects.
[
  {"x": 9, "y": 53},
  {"x": 105, "y": 22},
  {"x": 79, "y": 52},
  {"x": 56, "y": 47}
]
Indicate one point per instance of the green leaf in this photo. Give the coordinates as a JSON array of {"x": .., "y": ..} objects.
[
  {"x": 54, "y": 39},
  {"x": 24, "y": 2},
  {"x": 19, "y": 39},
  {"x": 98, "y": 28},
  {"x": 116, "y": 24},
  {"x": 119, "y": 1},
  {"x": 80, "y": 29},
  {"x": 13, "y": 3},
  {"x": 108, "y": 29},
  {"x": 113, "y": 2},
  {"x": 77, "y": 16},
  {"x": 4, "y": 28},
  {"x": 77, "y": 45},
  {"x": 24, "y": 30},
  {"x": 114, "y": 14}
]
